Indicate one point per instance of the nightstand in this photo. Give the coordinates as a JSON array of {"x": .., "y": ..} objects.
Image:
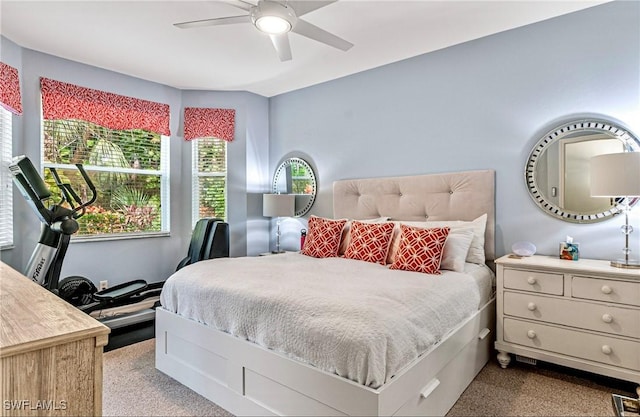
[{"x": 582, "y": 314}]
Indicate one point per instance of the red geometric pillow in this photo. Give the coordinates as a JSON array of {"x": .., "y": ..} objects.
[
  {"x": 323, "y": 239},
  {"x": 369, "y": 241},
  {"x": 420, "y": 249},
  {"x": 346, "y": 232}
]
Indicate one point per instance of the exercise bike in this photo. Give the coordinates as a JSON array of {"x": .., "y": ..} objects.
[{"x": 59, "y": 222}]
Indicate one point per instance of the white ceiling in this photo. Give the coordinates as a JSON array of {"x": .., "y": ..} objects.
[{"x": 138, "y": 37}]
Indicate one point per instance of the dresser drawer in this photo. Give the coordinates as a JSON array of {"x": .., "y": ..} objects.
[
  {"x": 597, "y": 348},
  {"x": 580, "y": 314},
  {"x": 535, "y": 281},
  {"x": 620, "y": 292}
]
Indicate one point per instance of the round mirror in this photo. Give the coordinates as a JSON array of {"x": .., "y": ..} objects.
[
  {"x": 557, "y": 171},
  {"x": 295, "y": 176}
]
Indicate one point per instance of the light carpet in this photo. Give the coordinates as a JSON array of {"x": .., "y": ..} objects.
[{"x": 133, "y": 387}]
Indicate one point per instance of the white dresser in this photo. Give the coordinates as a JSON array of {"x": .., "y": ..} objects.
[{"x": 583, "y": 314}]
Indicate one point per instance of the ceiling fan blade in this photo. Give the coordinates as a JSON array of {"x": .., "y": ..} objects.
[
  {"x": 214, "y": 22},
  {"x": 241, "y": 4},
  {"x": 305, "y": 6},
  {"x": 282, "y": 46},
  {"x": 314, "y": 32}
]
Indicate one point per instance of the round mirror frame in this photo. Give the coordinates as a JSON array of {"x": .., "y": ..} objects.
[
  {"x": 630, "y": 142},
  {"x": 281, "y": 170}
]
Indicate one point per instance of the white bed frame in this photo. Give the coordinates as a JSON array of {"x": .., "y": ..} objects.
[{"x": 247, "y": 379}]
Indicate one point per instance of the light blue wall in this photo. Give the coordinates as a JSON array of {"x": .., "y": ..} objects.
[
  {"x": 478, "y": 105},
  {"x": 152, "y": 259}
]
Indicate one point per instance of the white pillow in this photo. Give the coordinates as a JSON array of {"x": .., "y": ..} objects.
[
  {"x": 478, "y": 225},
  {"x": 346, "y": 232},
  {"x": 476, "y": 249},
  {"x": 456, "y": 249}
]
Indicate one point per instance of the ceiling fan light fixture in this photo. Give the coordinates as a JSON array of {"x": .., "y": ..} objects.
[
  {"x": 273, "y": 18},
  {"x": 273, "y": 25}
]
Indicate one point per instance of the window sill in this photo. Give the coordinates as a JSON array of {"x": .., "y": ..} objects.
[{"x": 120, "y": 236}]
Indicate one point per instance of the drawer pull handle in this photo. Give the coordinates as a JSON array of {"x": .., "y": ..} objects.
[
  {"x": 484, "y": 333},
  {"x": 531, "y": 334},
  {"x": 606, "y": 289},
  {"x": 532, "y": 280},
  {"x": 532, "y": 306},
  {"x": 606, "y": 349},
  {"x": 431, "y": 386},
  {"x": 607, "y": 318}
]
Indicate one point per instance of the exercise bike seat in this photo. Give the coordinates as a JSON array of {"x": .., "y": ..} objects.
[{"x": 120, "y": 291}]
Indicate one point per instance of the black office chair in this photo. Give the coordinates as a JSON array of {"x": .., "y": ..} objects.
[{"x": 210, "y": 239}]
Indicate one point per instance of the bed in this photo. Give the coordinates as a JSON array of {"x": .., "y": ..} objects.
[{"x": 240, "y": 366}]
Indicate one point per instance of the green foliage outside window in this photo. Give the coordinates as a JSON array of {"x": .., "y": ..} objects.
[
  {"x": 124, "y": 166},
  {"x": 210, "y": 176},
  {"x": 300, "y": 180}
]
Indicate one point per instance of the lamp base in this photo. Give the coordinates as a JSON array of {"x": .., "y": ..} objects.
[
  {"x": 626, "y": 263},
  {"x": 275, "y": 252}
]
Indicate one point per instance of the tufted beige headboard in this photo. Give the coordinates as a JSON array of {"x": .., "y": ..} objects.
[{"x": 450, "y": 196}]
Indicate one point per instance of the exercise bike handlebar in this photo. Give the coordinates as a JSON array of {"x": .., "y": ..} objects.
[
  {"x": 70, "y": 196},
  {"x": 35, "y": 191},
  {"x": 87, "y": 180}
]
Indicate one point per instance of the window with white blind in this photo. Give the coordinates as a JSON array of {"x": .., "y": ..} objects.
[
  {"x": 6, "y": 184},
  {"x": 209, "y": 173},
  {"x": 129, "y": 168}
]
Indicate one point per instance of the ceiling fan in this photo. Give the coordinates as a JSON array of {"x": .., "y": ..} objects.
[{"x": 277, "y": 19}]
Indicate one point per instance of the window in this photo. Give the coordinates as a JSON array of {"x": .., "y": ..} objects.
[
  {"x": 211, "y": 129},
  {"x": 6, "y": 184},
  {"x": 129, "y": 168},
  {"x": 209, "y": 178}
]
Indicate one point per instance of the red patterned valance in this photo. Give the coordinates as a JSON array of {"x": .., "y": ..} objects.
[
  {"x": 10, "y": 89},
  {"x": 204, "y": 123},
  {"x": 68, "y": 101}
]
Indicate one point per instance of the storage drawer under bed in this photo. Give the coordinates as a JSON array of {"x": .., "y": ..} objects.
[{"x": 432, "y": 401}]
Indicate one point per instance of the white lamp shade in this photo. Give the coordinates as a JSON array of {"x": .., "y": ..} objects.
[
  {"x": 615, "y": 175},
  {"x": 278, "y": 205}
]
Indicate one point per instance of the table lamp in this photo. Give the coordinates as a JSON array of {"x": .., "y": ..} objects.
[
  {"x": 617, "y": 175},
  {"x": 278, "y": 205}
]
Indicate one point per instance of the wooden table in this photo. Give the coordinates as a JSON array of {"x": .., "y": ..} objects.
[{"x": 50, "y": 352}]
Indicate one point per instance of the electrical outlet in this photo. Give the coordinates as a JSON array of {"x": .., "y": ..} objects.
[{"x": 104, "y": 285}]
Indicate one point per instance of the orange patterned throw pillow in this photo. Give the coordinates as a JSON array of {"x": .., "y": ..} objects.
[
  {"x": 369, "y": 241},
  {"x": 323, "y": 239},
  {"x": 420, "y": 249}
]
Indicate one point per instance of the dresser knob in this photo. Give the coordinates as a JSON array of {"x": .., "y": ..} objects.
[
  {"x": 606, "y": 289},
  {"x": 607, "y": 318},
  {"x": 606, "y": 349},
  {"x": 532, "y": 280},
  {"x": 532, "y": 306},
  {"x": 531, "y": 334}
]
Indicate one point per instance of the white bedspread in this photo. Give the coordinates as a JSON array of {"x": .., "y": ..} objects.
[{"x": 359, "y": 320}]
